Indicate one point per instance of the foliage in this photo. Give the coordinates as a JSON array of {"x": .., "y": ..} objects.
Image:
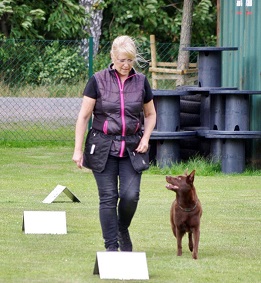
[
  {"x": 14, "y": 59},
  {"x": 140, "y": 19},
  {"x": 64, "y": 19},
  {"x": 42, "y": 19},
  {"x": 53, "y": 63},
  {"x": 204, "y": 23},
  {"x": 5, "y": 7},
  {"x": 24, "y": 21},
  {"x": 61, "y": 65},
  {"x": 205, "y": 167},
  {"x": 102, "y": 61},
  {"x": 159, "y": 17}
]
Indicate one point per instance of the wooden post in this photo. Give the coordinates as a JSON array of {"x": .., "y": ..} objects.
[{"x": 153, "y": 60}]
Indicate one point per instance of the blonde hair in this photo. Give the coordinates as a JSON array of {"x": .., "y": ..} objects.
[{"x": 126, "y": 45}]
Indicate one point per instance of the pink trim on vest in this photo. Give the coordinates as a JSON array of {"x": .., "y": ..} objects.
[
  {"x": 105, "y": 127},
  {"x": 123, "y": 133}
]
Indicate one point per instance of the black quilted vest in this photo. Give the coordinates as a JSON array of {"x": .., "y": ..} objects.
[{"x": 118, "y": 106}]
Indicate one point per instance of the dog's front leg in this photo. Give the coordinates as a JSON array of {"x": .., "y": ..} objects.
[
  {"x": 179, "y": 236},
  {"x": 190, "y": 241},
  {"x": 196, "y": 235}
]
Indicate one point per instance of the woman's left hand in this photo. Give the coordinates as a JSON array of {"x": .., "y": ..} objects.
[{"x": 143, "y": 146}]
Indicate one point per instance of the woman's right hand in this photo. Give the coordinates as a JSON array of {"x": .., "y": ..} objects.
[
  {"x": 81, "y": 124},
  {"x": 78, "y": 158}
]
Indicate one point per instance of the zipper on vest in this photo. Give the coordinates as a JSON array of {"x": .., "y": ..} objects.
[{"x": 123, "y": 132}]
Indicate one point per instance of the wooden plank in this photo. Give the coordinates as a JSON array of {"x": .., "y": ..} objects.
[
  {"x": 171, "y": 64},
  {"x": 167, "y": 70},
  {"x": 190, "y": 71},
  {"x": 153, "y": 59},
  {"x": 165, "y": 64},
  {"x": 174, "y": 77},
  {"x": 166, "y": 77},
  {"x": 173, "y": 71}
]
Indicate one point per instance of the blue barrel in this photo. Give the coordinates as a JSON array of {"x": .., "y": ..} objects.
[
  {"x": 233, "y": 156},
  {"x": 167, "y": 103}
]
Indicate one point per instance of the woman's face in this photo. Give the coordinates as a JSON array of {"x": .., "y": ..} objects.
[{"x": 123, "y": 64}]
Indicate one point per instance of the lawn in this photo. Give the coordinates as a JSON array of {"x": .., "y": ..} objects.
[{"x": 230, "y": 244}]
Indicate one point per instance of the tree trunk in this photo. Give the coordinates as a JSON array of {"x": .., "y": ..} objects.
[
  {"x": 93, "y": 23},
  {"x": 185, "y": 39},
  {"x": 3, "y": 26}
]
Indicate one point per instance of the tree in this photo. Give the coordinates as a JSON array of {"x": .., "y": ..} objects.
[
  {"x": 200, "y": 14},
  {"x": 42, "y": 19},
  {"x": 92, "y": 26},
  {"x": 185, "y": 39}
]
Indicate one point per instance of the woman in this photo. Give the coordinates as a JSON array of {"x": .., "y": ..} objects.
[{"x": 116, "y": 97}]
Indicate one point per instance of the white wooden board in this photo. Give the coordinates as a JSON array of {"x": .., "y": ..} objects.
[
  {"x": 44, "y": 222},
  {"x": 57, "y": 191},
  {"x": 121, "y": 265}
]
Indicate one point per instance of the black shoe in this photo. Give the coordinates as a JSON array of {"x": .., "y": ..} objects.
[
  {"x": 125, "y": 241},
  {"x": 112, "y": 249}
]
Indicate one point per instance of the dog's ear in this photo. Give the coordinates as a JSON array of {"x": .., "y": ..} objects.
[{"x": 190, "y": 177}]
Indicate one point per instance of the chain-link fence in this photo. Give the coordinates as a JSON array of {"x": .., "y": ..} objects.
[{"x": 41, "y": 84}]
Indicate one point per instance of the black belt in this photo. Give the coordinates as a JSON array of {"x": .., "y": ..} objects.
[
  {"x": 121, "y": 138},
  {"x": 118, "y": 137}
]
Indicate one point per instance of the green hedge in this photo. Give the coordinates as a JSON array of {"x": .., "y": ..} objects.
[{"x": 41, "y": 62}]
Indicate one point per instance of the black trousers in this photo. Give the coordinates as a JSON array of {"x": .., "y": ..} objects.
[{"x": 119, "y": 190}]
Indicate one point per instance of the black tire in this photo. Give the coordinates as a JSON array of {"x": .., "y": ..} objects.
[
  {"x": 189, "y": 120},
  {"x": 192, "y": 97},
  {"x": 192, "y": 107}
]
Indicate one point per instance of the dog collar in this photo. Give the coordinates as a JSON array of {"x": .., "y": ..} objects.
[{"x": 187, "y": 209}]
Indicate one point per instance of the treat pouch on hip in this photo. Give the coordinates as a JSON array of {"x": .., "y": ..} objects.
[
  {"x": 139, "y": 161},
  {"x": 96, "y": 151}
]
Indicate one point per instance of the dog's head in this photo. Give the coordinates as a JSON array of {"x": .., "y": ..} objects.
[{"x": 181, "y": 182}]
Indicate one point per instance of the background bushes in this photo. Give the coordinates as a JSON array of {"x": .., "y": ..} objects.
[{"x": 41, "y": 63}]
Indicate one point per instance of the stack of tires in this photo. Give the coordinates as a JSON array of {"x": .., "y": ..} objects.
[{"x": 190, "y": 121}]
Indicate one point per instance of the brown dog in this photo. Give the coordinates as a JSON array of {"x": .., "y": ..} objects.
[{"x": 185, "y": 211}]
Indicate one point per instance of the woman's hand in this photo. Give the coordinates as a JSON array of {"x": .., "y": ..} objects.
[
  {"x": 78, "y": 158},
  {"x": 149, "y": 124},
  {"x": 143, "y": 145},
  {"x": 81, "y": 125}
]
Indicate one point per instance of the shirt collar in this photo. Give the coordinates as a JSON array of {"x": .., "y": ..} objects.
[{"x": 132, "y": 71}]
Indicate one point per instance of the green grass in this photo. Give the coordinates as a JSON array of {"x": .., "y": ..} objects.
[
  {"x": 15, "y": 134},
  {"x": 230, "y": 245}
]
